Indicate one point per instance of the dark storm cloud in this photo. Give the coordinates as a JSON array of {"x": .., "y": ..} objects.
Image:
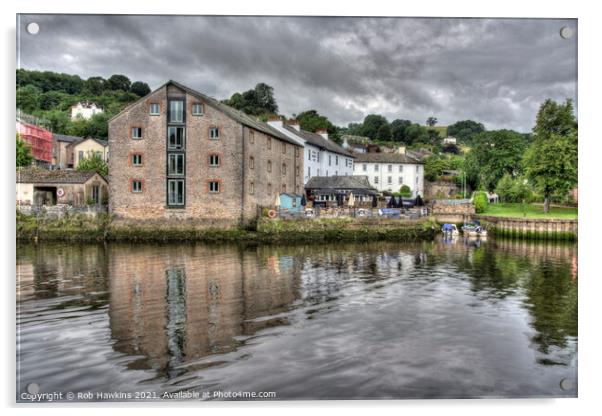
[{"x": 496, "y": 71}]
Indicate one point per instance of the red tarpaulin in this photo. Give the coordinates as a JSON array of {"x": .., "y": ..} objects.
[{"x": 39, "y": 139}]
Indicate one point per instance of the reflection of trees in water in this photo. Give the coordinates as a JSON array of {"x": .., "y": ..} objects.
[
  {"x": 543, "y": 272},
  {"x": 60, "y": 269}
]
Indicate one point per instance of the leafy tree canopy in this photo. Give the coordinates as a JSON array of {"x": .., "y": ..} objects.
[
  {"x": 311, "y": 120},
  {"x": 465, "y": 130},
  {"x": 24, "y": 157},
  {"x": 93, "y": 163},
  {"x": 140, "y": 88},
  {"x": 119, "y": 83}
]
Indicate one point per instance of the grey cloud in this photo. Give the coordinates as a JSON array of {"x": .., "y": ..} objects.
[{"x": 496, "y": 71}]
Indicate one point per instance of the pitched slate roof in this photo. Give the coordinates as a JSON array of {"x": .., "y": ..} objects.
[
  {"x": 39, "y": 175},
  {"x": 339, "y": 182},
  {"x": 386, "y": 158},
  {"x": 233, "y": 113},
  {"x": 318, "y": 141}
]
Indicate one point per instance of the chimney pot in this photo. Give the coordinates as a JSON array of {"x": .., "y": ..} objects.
[
  {"x": 323, "y": 133},
  {"x": 294, "y": 124}
]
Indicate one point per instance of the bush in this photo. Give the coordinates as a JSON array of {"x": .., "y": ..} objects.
[
  {"x": 405, "y": 191},
  {"x": 480, "y": 202}
]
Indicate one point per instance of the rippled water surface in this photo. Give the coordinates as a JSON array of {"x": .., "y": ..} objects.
[{"x": 378, "y": 320}]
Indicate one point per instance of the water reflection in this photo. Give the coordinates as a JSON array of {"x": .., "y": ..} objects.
[{"x": 369, "y": 320}]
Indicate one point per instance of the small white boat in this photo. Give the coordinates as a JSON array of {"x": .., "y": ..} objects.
[{"x": 450, "y": 229}]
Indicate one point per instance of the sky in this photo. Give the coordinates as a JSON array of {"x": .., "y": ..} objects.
[{"x": 495, "y": 71}]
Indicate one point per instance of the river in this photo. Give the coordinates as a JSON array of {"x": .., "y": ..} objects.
[{"x": 441, "y": 319}]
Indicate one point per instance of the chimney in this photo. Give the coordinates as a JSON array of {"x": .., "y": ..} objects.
[
  {"x": 294, "y": 124},
  {"x": 402, "y": 150},
  {"x": 274, "y": 121},
  {"x": 323, "y": 133}
]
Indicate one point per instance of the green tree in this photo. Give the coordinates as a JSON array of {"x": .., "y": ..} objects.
[
  {"x": 431, "y": 121},
  {"x": 311, "y": 120},
  {"x": 24, "y": 157},
  {"x": 465, "y": 130},
  {"x": 119, "y": 83},
  {"x": 372, "y": 124},
  {"x": 495, "y": 153},
  {"x": 59, "y": 121},
  {"x": 28, "y": 98},
  {"x": 480, "y": 202},
  {"x": 415, "y": 133},
  {"x": 398, "y": 130},
  {"x": 93, "y": 163},
  {"x": 434, "y": 166},
  {"x": 384, "y": 132},
  {"x": 551, "y": 161},
  {"x": 140, "y": 88},
  {"x": 95, "y": 85}
]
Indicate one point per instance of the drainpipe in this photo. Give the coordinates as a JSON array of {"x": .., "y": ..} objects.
[{"x": 242, "y": 176}]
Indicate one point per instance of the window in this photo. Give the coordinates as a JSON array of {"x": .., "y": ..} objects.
[
  {"x": 252, "y": 137},
  {"x": 401, "y": 180},
  {"x": 137, "y": 159},
  {"x": 284, "y": 168},
  {"x": 251, "y": 188},
  {"x": 175, "y": 164},
  {"x": 329, "y": 160},
  {"x": 417, "y": 168},
  {"x": 136, "y": 185},
  {"x": 175, "y": 138},
  {"x": 154, "y": 109},
  {"x": 296, "y": 152},
  {"x": 269, "y": 189},
  {"x": 80, "y": 155},
  {"x": 365, "y": 167},
  {"x": 297, "y": 170},
  {"x": 389, "y": 180},
  {"x": 269, "y": 142},
  {"x": 283, "y": 148},
  {"x": 309, "y": 171},
  {"x": 214, "y": 133},
  {"x": 251, "y": 162},
  {"x": 197, "y": 109},
  {"x": 309, "y": 155},
  {"x": 175, "y": 192},
  {"x": 214, "y": 187},
  {"x": 269, "y": 165},
  {"x": 214, "y": 160},
  {"x": 336, "y": 160},
  {"x": 136, "y": 132},
  {"x": 98, "y": 154},
  {"x": 176, "y": 111},
  {"x": 96, "y": 193},
  {"x": 376, "y": 179},
  {"x": 375, "y": 167},
  {"x": 400, "y": 168},
  {"x": 390, "y": 168}
]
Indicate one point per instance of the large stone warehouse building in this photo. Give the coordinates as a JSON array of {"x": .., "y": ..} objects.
[{"x": 179, "y": 154}]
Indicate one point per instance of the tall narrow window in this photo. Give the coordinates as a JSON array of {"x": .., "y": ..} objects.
[
  {"x": 175, "y": 164},
  {"x": 269, "y": 165},
  {"x": 214, "y": 133},
  {"x": 214, "y": 187},
  {"x": 269, "y": 189},
  {"x": 284, "y": 168},
  {"x": 269, "y": 142},
  {"x": 252, "y": 188},
  {"x": 283, "y": 148},
  {"x": 175, "y": 192},
  {"x": 136, "y": 132},
  {"x": 251, "y": 162},
  {"x": 136, "y": 159},
  {"x": 136, "y": 186},
  {"x": 214, "y": 160},
  {"x": 251, "y": 137},
  {"x": 176, "y": 111},
  {"x": 154, "y": 109},
  {"x": 175, "y": 138}
]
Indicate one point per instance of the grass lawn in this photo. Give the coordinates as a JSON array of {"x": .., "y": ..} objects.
[{"x": 531, "y": 210}]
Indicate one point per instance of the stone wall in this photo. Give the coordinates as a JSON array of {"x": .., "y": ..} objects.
[
  {"x": 440, "y": 189},
  {"x": 452, "y": 210},
  {"x": 525, "y": 227},
  {"x": 62, "y": 210}
]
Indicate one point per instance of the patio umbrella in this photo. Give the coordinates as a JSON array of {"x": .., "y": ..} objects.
[
  {"x": 303, "y": 201},
  {"x": 351, "y": 200},
  {"x": 277, "y": 201}
]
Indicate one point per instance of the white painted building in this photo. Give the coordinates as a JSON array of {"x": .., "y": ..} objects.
[
  {"x": 322, "y": 156},
  {"x": 389, "y": 171},
  {"x": 84, "y": 110},
  {"x": 449, "y": 140}
]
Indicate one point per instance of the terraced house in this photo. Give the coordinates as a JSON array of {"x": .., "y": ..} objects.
[{"x": 179, "y": 154}]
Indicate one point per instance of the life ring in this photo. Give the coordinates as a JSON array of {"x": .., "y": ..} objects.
[
  {"x": 271, "y": 213},
  {"x": 60, "y": 192}
]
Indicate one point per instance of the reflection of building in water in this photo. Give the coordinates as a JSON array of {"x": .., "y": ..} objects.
[{"x": 175, "y": 304}]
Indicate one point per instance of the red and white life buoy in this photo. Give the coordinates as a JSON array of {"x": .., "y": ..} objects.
[
  {"x": 272, "y": 213},
  {"x": 60, "y": 192}
]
